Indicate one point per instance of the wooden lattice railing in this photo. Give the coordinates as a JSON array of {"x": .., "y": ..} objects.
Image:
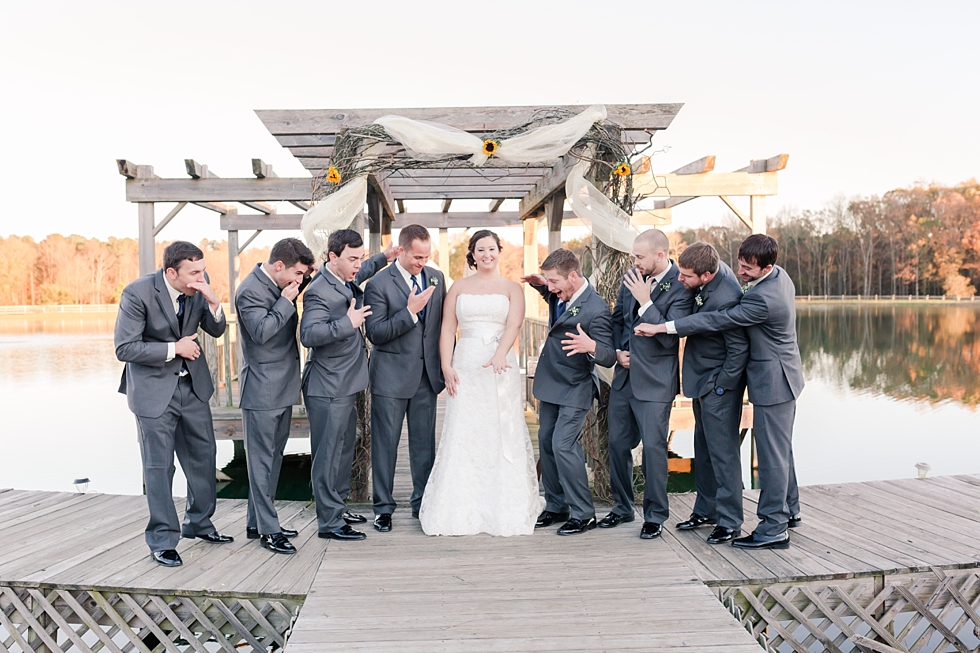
[
  {"x": 929, "y": 612},
  {"x": 55, "y": 620}
]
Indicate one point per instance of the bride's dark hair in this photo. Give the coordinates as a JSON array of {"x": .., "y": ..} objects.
[{"x": 474, "y": 239}]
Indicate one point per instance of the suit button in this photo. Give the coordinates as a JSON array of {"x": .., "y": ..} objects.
[{"x": 176, "y": 373}]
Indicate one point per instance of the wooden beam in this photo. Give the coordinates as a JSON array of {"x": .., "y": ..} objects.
[
  {"x": 530, "y": 267},
  {"x": 401, "y": 205},
  {"x": 274, "y": 222},
  {"x": 460, "y": 193},
  {"x": 170, "y": 216},
  {"x": 302, "y": 206},
  {"x": 736, "y": 211},
  {"x": 701, "y": 166},
  {"x": 554, "y": 209},
  {"x": 147, "y": 248},
  {"x": 757, "y": 213},
  {"x": 495, "y": 205},
  {"x": 544, "y": 188},
  {"x": 383, "y": 189},
  {"x": 375, "y": 216},
  {"x": 218, "y": 190},
  {"x": 452, "y": 220},
  {"x": 197, "y": 170},
  {"x": 248, "y": 242},
  {"x": 131, "y": 170},
  {"x": 772, "y": 164},
  {"x": 720, "y": 183},
  {"x": 445, "y": 205},
  {"x": 262, "y": 170},
  {"x": 217, "y": 207},
  {"x": 477, "y": 119}
]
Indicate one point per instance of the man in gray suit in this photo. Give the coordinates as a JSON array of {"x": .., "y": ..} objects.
[
  {"x": 645, "y": 382},
  {"x": 336, "y": 370},
  {"x": 168, "y": 385},
  {"x": 714, "y": 379},
  {"x": 579, "y": 338},
  {"x": 767, "y": 312},
  {"x": 267, "y": 319},
  {"x": 406, "y": 373}
]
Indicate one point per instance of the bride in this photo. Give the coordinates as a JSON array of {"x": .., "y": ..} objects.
[{"x": 484, "y": 478}]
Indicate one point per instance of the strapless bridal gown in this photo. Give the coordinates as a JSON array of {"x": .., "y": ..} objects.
[{"x": 484, "y": 478}]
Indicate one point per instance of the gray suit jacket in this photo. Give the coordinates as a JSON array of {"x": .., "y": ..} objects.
[
  {"x": 146, "y": 322},
  {"x": 337, "y": 363},
  {"x": 570, "y": 380},
  {"x": 716, "y": 359},
  {"x": 654, "y": 366},
  {"x": 401, "y": 345},
  {"x": 768, "y": 314},
  {"x": 267, "y": 327}
]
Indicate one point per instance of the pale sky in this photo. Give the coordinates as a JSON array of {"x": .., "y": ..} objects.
[{"x": 864, "y": 96}]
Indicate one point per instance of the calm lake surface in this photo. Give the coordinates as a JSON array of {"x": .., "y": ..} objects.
[{"x": 888, "y": 385}]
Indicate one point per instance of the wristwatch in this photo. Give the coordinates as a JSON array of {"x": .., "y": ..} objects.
[{"x": 719, "y": 390}]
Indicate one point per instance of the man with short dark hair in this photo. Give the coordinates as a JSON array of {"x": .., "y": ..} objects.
[
  {"x": 269, "y": 381},
  {"x": 579, "y": 338},
  {"x": 336, "y": 370},
  {"x": 645, "y": 382},
  {"x": 767, "y": 312},
  {"x": 714, "y": 379},
  {"x": 406, "y": 370},
  {"x": 168, "y": 385}
]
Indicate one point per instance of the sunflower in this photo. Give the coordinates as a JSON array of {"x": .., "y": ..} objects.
[
  {"x": 490, "y": 147},
  {"x": 333, "y": 175},
  {"x": 622, "y": 170}
]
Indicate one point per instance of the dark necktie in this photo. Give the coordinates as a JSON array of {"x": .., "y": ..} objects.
[
  {"x": 350, "y": 286},
  {"x": 418, "y": 291},
  {"x": 181, "y": 300},
  {"x": 559, "y": 310}
]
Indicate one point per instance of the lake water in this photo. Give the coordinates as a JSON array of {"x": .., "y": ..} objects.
[{"x": 888, "y": 385}]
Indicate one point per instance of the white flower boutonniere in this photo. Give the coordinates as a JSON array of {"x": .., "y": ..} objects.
[
  {"x": 745, "y": 288},
  {"x": 574, "y": 310},
  {"x": 433, "y": 281},
  {"x": 699, "y": 300},
  {"x": 665, "y": 286}
]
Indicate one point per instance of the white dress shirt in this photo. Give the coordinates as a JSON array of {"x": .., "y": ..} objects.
[
  {"x": 174, "y": 294},
  {"x": 578, "y": 293}
]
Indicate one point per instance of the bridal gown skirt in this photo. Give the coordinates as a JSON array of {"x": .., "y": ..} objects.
[{"x": 484, "y": 478}]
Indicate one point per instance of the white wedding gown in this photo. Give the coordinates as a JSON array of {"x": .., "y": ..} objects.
[{"x": 484, "y": 478}]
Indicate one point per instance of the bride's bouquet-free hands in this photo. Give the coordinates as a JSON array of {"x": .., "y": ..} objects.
[
  {"x": 498, "y": 362},
  {"x": 451, "y": 379}
]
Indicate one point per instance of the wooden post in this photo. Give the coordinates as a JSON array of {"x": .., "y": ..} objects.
[
  {"x": 374, "y": 221},
  {"x": 530, "y": 265},
  {"x": 554, "y": 209},
  {"x": 757, "y": 213},
  {"x": 444, "y": 252},
  {"x": 147, "y": 246},
  {"x": 232, "y": 267},
  {"x": 385, "y": 231}
]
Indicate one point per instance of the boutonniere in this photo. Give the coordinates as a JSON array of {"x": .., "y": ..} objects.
[
  {"x": 699, "y": 300},
  {"x": 433, "y": 281},
  {"x": 573, "y": 311},
  {"x": 665, "y": 286},
  {"x": 745, "y": 288}
]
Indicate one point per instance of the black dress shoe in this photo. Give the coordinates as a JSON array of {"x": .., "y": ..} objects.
[
  {"x": 722, "y": 534},
  {"x": 277, "y": 543},
  {"x": 694, "y": 521},
  {"x": 167, "y": 558},
  {"x": 213, "y": 538},
  {"x": 749, "y": 542},
  {"x": 253, "y": 533},
  {"x": 382, "y": 523},
  {"x": 415, "y": 514},
  {"x": 547, "y": 518},
  {"x": 345, "y": 532},
  {"x": 612, "y": 520},
  {"x": 576, "y": 526},
  {"x": 651, "y": 530},
  {"x": 352, "y": 518},
  {"x": 794, "y": 522}
]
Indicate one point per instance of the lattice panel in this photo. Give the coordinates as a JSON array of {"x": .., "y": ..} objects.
[
  {"x": 55, "y": 620},
  {"x": 917, "y": 613}
]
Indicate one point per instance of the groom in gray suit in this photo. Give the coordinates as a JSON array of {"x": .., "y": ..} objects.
[
  {"x": 645, "y": 383},
  {"x": 579, "y": 338},
  {"x": 267, "y": 319},
  {"x": 767, "y": 312},
  {"x": 406, "y": 374},
  {"x": 714, "y": 379},
  {"x": 336, "y": 370},
  {"x": 168, "y": 385}
]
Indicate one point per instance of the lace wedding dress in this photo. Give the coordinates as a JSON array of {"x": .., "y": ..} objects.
[{"x": 484, "y": 478}]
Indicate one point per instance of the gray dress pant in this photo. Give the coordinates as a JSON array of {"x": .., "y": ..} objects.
[
  {"x": 717, "y": 462},
  {"x": 387, "y": 416},
  {"x": 184, "y": 429},
  {"x": 266, "y": 435},
  {"x": 779, "y": 498},
  {"x": 333, "y": 426},
  {"x": 632, "y": 421},
  {"x": 563, "y": 472}
]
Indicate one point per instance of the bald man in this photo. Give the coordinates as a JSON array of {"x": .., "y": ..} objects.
[{"x": 645, "y": 382}]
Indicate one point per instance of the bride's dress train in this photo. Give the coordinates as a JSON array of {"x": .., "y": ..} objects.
[{"x": 484, "y": 478}]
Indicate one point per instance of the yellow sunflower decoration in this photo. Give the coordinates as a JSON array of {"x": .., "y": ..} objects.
[
  {"x": 622, "y": 170},
  {"x": 490, "y": 147},
  {"x": 333, "y": 175}
]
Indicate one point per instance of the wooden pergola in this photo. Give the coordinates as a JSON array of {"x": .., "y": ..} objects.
[{"x": 540, "y": 188}]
